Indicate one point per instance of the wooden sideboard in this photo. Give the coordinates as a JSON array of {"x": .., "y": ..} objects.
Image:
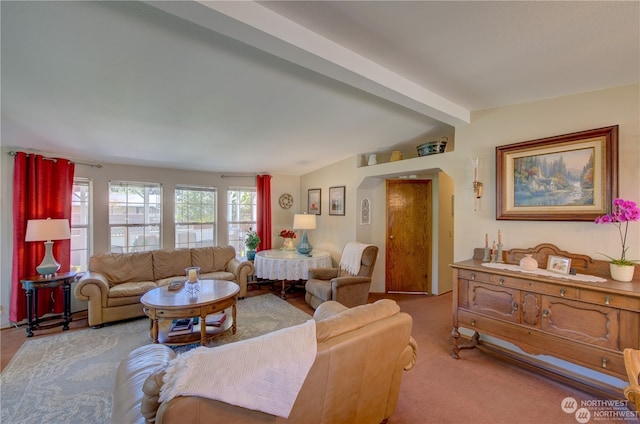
[{"x": 585, "y": 323}]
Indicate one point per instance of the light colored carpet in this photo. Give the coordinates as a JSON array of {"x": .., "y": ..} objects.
[{"x": 68, "y": 378}]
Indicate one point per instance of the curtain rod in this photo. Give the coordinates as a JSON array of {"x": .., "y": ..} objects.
[
  {"x": 93, "y": 165},
  {"x": 237, "y": 176}
]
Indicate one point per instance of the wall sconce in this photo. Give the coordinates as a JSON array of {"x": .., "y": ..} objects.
[{"x": 477, "y": 185}]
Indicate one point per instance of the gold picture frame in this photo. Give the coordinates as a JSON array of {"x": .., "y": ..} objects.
[{"x": 571, "y": 177}]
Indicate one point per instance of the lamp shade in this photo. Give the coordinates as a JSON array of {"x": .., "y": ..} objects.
[
  {"x": 304, "y": 222},
  {"x": 47, "y": 229}
]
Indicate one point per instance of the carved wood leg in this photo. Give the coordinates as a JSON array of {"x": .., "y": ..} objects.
[{"x": 457, "y": 347}]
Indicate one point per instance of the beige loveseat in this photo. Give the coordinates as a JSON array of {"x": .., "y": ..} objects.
[
  {"x": 115, "y": 282},
  {"x": 355, "y": 378}
]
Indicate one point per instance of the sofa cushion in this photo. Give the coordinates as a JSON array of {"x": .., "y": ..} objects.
[
  {"x": 135, "y": 288},
  {"x": 170, "y": 262},
  {"x": 354, "y": 318},
  {"x": 123, "y": 267},
  {"x": 221, "y": 257},
  {"x": 202, "y": 257}
]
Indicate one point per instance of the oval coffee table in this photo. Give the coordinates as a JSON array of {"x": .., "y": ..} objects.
[{"x": 162, "y": 306}]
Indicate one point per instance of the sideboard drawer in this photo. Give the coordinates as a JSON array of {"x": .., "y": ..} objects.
[
  {"x": 608, "y": 299},
  {"x": 474, "y": 275}
]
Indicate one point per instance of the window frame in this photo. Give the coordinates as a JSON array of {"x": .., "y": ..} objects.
[
  {"x": 213, "y": 223},
  {"x": 149, "y": 240},
  {"x": 83, "y": 264},
  {"x": 240, "y": 227}
]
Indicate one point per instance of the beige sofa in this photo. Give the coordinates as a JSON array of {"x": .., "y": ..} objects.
[
  {"x": 115, "y": 282},
  {"x": 355, "y": 378}
]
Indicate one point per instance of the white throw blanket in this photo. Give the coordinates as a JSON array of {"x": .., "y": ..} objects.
[
  {"x": 352, "y": 257},
  {"x": 264, "y": 373}
]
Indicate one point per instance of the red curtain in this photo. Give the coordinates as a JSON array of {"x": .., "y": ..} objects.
[
  {"x": 42, "y": 188},
  {"x": 263, "y": 191}
]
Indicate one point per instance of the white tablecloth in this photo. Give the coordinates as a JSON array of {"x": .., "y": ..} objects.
[{"x": 289, "y": 265}]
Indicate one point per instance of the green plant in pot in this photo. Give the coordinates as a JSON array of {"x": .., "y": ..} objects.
[
  {"x": 251, "y": 241},
  {"x": 624, "y": 211}
]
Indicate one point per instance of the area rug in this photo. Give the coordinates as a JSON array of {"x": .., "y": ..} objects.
[{"x": 68, "y": 377}]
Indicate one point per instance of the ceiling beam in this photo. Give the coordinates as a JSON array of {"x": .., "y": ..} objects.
[{"x": 260, "y": 27}]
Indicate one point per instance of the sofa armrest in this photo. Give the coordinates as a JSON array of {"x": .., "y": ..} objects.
[
  {"x": 410, "y": 354},
  {"x": 92, "y": 286},
  {"x": 242, "y": 270},
  {"x": 348, "y": 281},
  {"x": 138, "y": 382},
  {"x": 323, "y": 273}
]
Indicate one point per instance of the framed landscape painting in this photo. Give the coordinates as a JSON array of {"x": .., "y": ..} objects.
[{"x": 572, "y": 177}]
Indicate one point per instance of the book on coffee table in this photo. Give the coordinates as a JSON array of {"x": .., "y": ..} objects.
[
  {"x": 181, "y": 326},
  {"x": 216, "y": 319}
]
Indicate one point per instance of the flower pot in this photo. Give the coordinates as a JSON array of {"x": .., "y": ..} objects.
[
  {"x": 251, "y": 255},
  {"x": 621, "y": 272},
  {"x": 288, "y": 244}
]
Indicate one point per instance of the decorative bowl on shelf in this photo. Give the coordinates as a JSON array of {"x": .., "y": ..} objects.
[{"x": 433, "y": 147}]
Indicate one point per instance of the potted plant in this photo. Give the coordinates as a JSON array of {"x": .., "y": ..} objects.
[
  {"x": 251, "y": 241},
  {"x": 623, "y": 211}
]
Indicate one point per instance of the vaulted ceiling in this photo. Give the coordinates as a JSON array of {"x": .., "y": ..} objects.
[{"x": 289, "y": 87}]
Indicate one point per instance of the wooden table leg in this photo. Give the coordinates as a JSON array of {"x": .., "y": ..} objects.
[
  {"x": 66, "y": 293},
  {"x": 154, "y": 330},
  {"x": 233, "y": 316},
  {"x": 30, "y": 313},
  {"x": 203, "y": 329}
]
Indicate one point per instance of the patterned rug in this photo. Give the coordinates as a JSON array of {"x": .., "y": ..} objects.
[{"x": 68, "y": 378}]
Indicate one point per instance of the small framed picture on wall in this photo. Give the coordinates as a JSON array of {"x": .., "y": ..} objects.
[
  {"x": 336, "y": 200},
  {"x": 365, "y": 211},
  {"x": 314, "y": 201}
]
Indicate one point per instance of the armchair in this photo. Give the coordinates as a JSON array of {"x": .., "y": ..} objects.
[
  {"x": 632, "y": 364},
  {"x": 350, "y": 288}
]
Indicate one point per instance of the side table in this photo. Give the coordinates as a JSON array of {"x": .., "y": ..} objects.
[
  {"x": 31, "y": 286},
  {"x": 288, "y": 265}
]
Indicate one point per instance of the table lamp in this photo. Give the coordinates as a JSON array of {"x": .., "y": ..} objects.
[
  {"x": 47, "y": 230},
  {"x": 304, "y": 222}
]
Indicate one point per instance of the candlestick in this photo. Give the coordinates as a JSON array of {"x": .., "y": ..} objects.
[
  {"x": 487, "y": 255},
  {"x": 486, "y": 240},
  {"x": 499, "y": 237},
  {"x": 192, "y": 276},
  {"x": 493, "y": 247},
  {"x": 475, "y": 169}
]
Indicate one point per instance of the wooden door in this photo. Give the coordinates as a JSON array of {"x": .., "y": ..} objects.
[{"x": 409, "y": 238}]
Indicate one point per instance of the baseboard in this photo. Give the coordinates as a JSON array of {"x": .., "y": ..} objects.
[{"x": 573, "y": 379}]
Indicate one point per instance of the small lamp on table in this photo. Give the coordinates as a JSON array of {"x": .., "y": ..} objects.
[{"x": 48, "y": 230}]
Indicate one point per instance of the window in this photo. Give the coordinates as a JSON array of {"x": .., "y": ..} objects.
[
  {"x": 135, "y": 211},
  {"x": 241, "y": 215},
  {"x": 80, "y": 224},
  {"x": 195, "y": 216}
]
